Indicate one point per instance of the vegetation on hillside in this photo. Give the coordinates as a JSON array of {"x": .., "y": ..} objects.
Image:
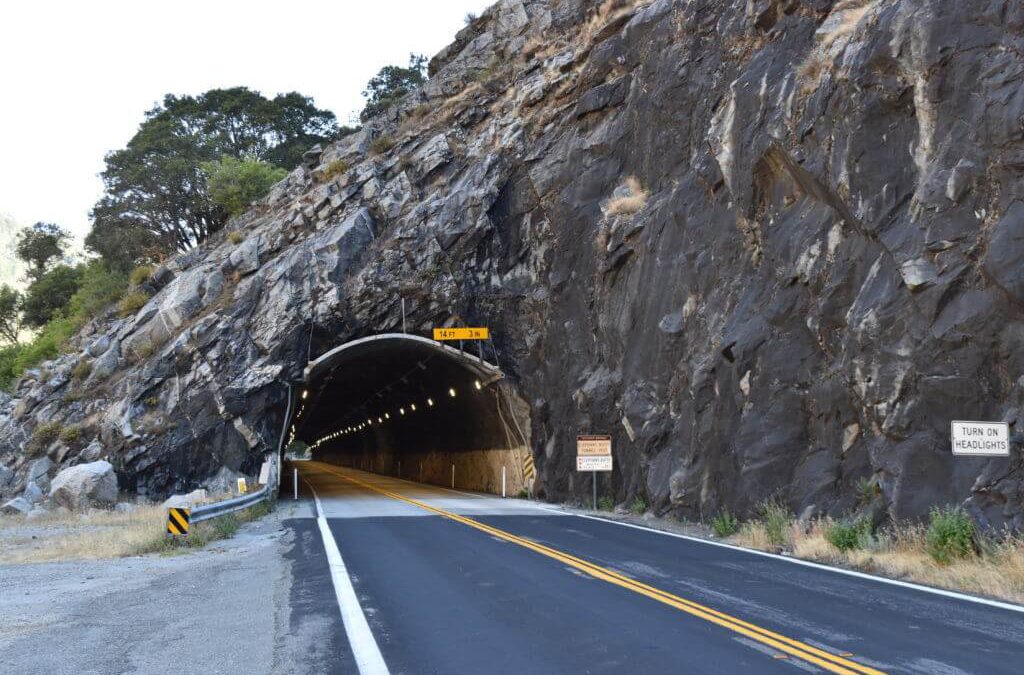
[
  {"x": 158, "y": 197},
  {"x": 194, "y": 162},
  {"x": 391, "y": 83}
]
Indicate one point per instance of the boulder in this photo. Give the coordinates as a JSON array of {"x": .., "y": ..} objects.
[
  {"x": 38, "y": 473},
  {"x": 18, "y": 506},
  {"x": 33, "y": 494},
  {"x": 246, "y": 257},
  {"x": 6, "y": 477},
  {"x": 78, "y": 487},
  {"x": 187, "y": 501},
  {"x": 99, "y": 346},
  {"x": 93, "y": 451},
  {"x": 224, "y": 481}
]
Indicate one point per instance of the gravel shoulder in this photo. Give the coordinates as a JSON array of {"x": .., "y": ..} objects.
[{"x": 227, "y": 608}]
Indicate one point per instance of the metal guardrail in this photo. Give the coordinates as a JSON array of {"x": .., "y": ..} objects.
[{"x": 208, "y": 511}]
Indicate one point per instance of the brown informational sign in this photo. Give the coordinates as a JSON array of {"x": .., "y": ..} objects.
[
  {"x": 593, "y": 452},
  {"x": 592, "y": 445}
]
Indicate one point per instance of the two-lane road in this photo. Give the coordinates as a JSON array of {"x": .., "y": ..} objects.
[{"x": 459, "y": 583}]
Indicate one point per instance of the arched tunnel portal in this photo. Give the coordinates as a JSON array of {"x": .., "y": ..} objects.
[{"x": 411, "y": 407}]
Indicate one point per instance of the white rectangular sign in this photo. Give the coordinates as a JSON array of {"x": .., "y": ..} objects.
[
  {"x": 593, "y": 462},
  {"x": 981, "y": 438}
]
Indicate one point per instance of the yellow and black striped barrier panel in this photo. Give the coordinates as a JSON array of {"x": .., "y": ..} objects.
[
  {"x": 178, "y": 520},
  {"x": 528, "y": 471}
]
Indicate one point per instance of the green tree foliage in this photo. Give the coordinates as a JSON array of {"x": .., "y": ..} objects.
[
  {"x": 49, "y": 294},
  {"x": 40, "y": 246},
  {"x": 234, "y": 184},
  {"x": 10, "y": 314},
  {"x": 391, "y": 83},
  {"x": 99, "y": 287},
  {"x": 156, "y": 199}
]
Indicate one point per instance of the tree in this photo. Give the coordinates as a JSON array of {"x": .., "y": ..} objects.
[
  {"x": 391, "y": 83},
  {"x": 40, "y": 245},
  {"x": 156, "y": 199},
  {"x": 50, "y": 294},
  {"x": 10, "y": 314},
  {"x": 234, "y": 184}
]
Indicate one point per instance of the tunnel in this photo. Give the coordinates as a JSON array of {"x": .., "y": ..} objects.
[{"x": 410, "y": 407}]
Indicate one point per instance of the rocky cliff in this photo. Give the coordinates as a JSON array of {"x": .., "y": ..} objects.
[{"x": 772, "y": 246}]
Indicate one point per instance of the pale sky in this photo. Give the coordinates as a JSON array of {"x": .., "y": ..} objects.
[{"x": 76, "y": 77}]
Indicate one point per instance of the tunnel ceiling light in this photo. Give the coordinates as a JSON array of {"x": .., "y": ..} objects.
[
  {"x": 451, "y": 392},
  {"x": 387, "y": 416},
  {"x": 412, "y": 406},
  {"x": 478, "y": 385},
  {"x": 379, "y": 420},
  {"x": 305, "y": 393},
  {"x": 430, "y": 401},
  {"x": 401, "y": 411}
]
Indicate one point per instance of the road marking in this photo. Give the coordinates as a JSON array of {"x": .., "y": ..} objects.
[
  {"x": 801, "y": 650},
  {"x": 364, "y": 647},
  {"x": 806, "y": 563}
]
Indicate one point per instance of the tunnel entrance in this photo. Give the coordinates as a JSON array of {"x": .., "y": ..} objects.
[{"x": 411, "y": 407}]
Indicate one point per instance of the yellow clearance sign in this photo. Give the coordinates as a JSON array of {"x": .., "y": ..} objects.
[{"x": 462, "y": 334}]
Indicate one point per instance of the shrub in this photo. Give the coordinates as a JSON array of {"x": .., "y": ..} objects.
[
  {"x": 523, "y": 494},
  {"x": 605, "y": 503},
  {"x": 132, "y": 303},
  {"x": 335, "y": 168},
  {"x": 101, "y": 286},
  {"x": 236, "y": 237},
  {"x": 639, "y": 505},
  {"x": 140, "y": 275},
  {"x": 629, "y": 198},
  {"x": 950, "y": 534},
  {"x": 70, "y": 435},
  {"x": 234, "y": 184},
  {"x": 81, "y": 370},
  {"x": 725, "y": 524},
  {"x": 848, "y": 536},
  {"x": 867, "y": 489},
  {"x": 43, "y": 435},
  {"x": 382, "y": 144},
  {"x": 776, "y": 519}
]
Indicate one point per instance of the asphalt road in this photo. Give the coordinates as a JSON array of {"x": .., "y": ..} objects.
[{"x": 461, "y": 583}]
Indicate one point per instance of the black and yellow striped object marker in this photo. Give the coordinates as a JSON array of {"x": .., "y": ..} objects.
[{"x": 178, "y": 520}]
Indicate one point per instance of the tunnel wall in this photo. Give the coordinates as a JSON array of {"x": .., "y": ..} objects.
[{"x": 479, "y": 433}]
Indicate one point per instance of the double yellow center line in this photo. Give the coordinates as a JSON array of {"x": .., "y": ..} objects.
[{"x": 831, "y": 662}]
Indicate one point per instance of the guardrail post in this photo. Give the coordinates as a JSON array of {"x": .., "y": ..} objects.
[
  {"x": 503, "y": 481},
  {"x": 453, "y": 476},
  {"x": 295, "y": 483}
]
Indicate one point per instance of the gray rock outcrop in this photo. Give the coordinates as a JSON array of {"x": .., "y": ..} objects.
[{"x": 828, "y": 237}]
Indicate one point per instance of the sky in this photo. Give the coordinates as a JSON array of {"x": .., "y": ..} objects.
[{"x": 76, "y": 77}]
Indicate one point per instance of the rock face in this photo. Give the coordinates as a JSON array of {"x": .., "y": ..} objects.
[
  {"x": 815, "y": 267},
  {"x": 85, "y": 485}
]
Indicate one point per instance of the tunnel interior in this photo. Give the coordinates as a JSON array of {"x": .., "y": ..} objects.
[{"x": 410, "y": 407}]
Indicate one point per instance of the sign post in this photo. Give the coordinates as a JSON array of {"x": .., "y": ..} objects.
[
  {"x": 594, "y": 453},
  {"x": 980, "y": 439}
]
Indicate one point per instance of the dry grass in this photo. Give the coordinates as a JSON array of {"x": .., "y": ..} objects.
[
  {"x": 90, "y": 536},
  {"x": 97, "y": 535},
  {"x": 900, "y": 553},
  {"x": 632, "y": 197}
]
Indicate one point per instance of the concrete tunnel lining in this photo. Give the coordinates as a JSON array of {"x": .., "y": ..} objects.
[{"x": 383, "y": 403}]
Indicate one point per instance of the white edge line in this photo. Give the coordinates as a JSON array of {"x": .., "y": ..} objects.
[
  {"x": 806, "y": 563},
  {"x": 364, "y": 647}
]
